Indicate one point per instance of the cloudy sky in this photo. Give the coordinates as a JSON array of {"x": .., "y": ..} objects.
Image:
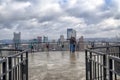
[{"x": 90, "y": 18}]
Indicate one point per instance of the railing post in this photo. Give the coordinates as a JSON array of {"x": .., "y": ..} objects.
[
  {"x": 15, "y": 70},
  {"x": 10, "y": 67},
  {"x": 4, "y": 70},
  {"x": 104, "y": 67},
  {"x": 110, "y": 68},
  {"x": 86, "y": 64},
  {"x": 0, "y": 53},
  {"x": 107, "y": 48},
  {"x": 92, "y": 44},
  {"x": 21, "y": 67},
  {"x": 119, "y": 52},
  {"x": 90, "y": 64},
  {"x": 26, "y": 65}
]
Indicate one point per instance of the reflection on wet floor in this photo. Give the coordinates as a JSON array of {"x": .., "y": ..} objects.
[{"x": 57, "y": 66}]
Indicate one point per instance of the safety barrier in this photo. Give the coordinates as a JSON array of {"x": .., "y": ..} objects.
[
  {"x": 103, "y": 63},
  {"x": 14, "y": 67}
]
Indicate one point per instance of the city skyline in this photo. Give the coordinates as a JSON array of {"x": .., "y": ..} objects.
[{"x": 90, "y": 18}]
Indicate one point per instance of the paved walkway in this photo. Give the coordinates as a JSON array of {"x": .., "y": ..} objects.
[{"x": 57, "y": 66}]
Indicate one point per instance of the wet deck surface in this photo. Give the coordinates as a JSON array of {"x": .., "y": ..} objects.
[{"x": 57, "y": 66}]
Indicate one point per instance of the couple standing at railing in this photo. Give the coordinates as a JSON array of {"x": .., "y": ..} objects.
[{"x": 72, "y": 44}]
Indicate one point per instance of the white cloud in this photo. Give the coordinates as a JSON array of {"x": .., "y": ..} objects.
[
  {"x": 117, "y": 4},
  {"x": 90, "y": 18},
  {"x": 18, "y": 6},
  {"x": 110, "y": 22},
  {"x": 71, "y": 19},
  {"x": 91, "y": 4}
]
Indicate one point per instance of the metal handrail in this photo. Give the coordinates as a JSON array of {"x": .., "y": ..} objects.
[
  {"x": 22, "y": 64},
  {"x": 104, "y": 57}
]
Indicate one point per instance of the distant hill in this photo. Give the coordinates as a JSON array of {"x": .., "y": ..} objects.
[
  {"x": 101, "y": 39},
  {"x": 8, "y": 41}
]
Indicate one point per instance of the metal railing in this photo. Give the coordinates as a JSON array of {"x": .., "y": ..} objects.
[
  {"x": 52, "y": 46},
  {"x": 14, "y": 67},
  {"x": 103, "y": 63}
]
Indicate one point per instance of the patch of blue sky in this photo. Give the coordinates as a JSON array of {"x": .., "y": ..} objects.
[
  {"x": 63, "y": 1},
  {"x": 108, "y": 2}
]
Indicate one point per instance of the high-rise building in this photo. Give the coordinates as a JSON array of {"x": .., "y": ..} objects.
[
  {"x": 81, "y": 43},
  {"x": 71, "y": 33},
  {"x": 62, "y": 38},
  {"x": 17, "y": 40},
  {"x": 45, "y": 39},
  {"x": 39, "y": 38}
]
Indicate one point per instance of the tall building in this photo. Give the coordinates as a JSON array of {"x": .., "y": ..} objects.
[
  {"x": 45, "y": 39},
  {"x": 81, "y": 43},
  {"x": 39, "y": 38},
  {"x": 71, "y": 33},
  {"x": 17, "y": 40},
  {"x": 62, "y": 38}
]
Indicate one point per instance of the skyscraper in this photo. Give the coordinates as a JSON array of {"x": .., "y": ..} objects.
[
  {"x": 71, "y": 33},
  {"x": 81, "y": 43},
  {"x": 39, "y": 38},
  {"x": 45, "y": 39},
  {"x": 17, "y": 40},
  {"x": 62, "y": 38}
]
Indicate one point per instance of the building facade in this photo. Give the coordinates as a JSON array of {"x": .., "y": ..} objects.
[
  {"x": 17, "y": 40},
  {"x": 39, "y": 38},
  {"x": 45, "y": 39},
  {"x": 71, "y": 33},
  {"x": 62, "y": 38}
]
